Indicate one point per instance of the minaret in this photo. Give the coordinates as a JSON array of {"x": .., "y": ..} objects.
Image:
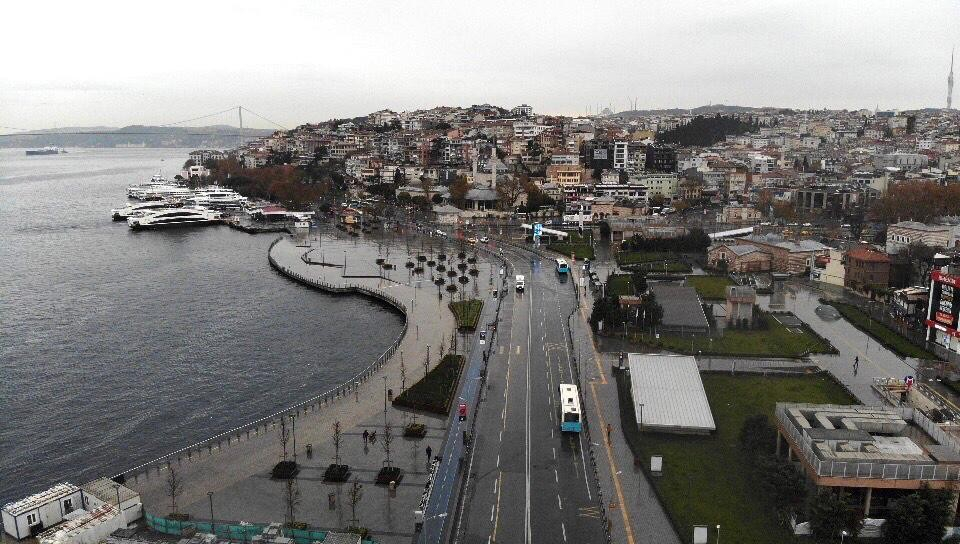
[{"x": 950, "y": 83}]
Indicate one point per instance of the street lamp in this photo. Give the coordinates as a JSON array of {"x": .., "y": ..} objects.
[
  {"x": 641, "y": 416},
  {"x": 116, "y": 487},
  {"x": 718, "y": 533},
  {"x": 210, "y": 495},
  {"x": 843, "y": 534}
]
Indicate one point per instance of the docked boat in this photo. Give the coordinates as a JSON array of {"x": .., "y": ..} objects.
[
  {"x": 215, "y": 196},
  {"x": 141, "y": 208},
  {"x": 157, "y": 188},
  {"x": 174, "y": 217}
]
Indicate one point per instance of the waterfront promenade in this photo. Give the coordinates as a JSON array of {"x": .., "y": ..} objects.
[{"x": 236, "y": 467}]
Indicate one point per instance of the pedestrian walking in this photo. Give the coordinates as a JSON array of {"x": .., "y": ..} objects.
[
  {"x": 609, "y": 430},
  {"x": 429, "y": 453},
  {"x": 366, "y": 436}
]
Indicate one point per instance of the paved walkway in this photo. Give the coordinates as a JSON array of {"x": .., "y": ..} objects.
[
  {"x": 236, "y": 467},
  {"x": 632, "y": 506}
]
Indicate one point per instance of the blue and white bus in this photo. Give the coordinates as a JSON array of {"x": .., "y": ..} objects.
[
  {"x": 569, "y": 408},
  {"x": 562, "y": 266}
]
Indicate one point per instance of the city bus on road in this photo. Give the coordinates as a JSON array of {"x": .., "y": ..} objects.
[
  {"x": 562, "y": 266},
  {"x": 569, "y": 408}
]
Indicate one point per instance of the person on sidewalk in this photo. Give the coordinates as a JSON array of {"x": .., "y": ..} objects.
[
  {"x": 429, "y": 454},
  {"x": 856, "y": 364},
  {"x": 366, "y": 436}
]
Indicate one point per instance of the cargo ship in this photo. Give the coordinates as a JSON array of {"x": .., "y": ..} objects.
[{"x": 46, "y": 151}]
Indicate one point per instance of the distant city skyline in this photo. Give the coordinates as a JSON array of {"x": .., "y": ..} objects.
[{"x": 298, "y": 62}]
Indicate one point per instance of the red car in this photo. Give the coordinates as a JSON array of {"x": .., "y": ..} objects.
[{"x": 462, "y": 410}]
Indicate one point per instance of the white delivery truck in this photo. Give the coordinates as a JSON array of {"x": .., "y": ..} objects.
[{"x": 519, "y": 282}]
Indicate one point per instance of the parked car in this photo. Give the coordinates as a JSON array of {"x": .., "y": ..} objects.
[{"x": 484, "y": 240}]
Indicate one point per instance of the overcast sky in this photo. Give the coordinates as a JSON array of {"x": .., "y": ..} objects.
[{"x": 118, "y": 63}]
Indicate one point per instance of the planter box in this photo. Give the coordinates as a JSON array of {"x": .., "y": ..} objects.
[
  {"x": 336, "y": 473},
  {"x": 415, "y": 430},
  {"x": 284, "y": 470},
  {"x": 389, "y": 474}
]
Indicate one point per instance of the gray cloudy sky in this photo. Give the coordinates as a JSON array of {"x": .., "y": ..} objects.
[{"x": 115, "y": 63}]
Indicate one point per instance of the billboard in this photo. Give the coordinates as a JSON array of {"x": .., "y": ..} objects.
[{"x": 944, "y": 307}]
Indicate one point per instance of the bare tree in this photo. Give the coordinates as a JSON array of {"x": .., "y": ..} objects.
[
  {"x": 403, "y": 376},
  {"x": 354, "y": 496},
  {"x": 174, "y": 488},
  {"x": 291, "y": 499},
  {"x": 337, "y": 436},
  {"x": 443, "y": 348},
  {"x": 284, "y": 434},
  {"x": 385, "y": 442}
]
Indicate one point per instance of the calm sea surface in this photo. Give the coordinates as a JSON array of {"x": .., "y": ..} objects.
[{"x": 118, "y": 346}]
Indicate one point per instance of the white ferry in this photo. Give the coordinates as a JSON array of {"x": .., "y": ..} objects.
[
  {"x": 141, "y": 208},
  {"x": 174, "y": 217},
  {"x": 215, "y": 196}
]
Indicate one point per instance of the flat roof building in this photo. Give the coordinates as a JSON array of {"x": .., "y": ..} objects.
[
  {"x": 682, "y": 312},
  {"x": 668, "y": 394}
]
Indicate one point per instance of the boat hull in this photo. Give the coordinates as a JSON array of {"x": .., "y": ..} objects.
[{"x": 183, "y": 224}]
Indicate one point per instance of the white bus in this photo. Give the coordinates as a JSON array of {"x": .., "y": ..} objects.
[
  {"x": 562, "y": 266},
  {"x": 570, "y": 408}
]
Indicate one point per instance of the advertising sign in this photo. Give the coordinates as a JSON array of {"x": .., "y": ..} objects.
[{"x": 945, "y": 308}]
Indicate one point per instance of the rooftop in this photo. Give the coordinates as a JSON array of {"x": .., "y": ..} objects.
[
  {"x": 671, "y": 393},
  {"x": 39, "y": 499},
  {"x": 681, "y": 306}
]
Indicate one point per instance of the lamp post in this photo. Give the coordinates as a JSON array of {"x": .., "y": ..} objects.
[
  {"x": 116, "y": 487},
  {"x": 718, "y": 533},
  {"x": 641, "y": 416},
  {"x": 843, "y": 534},
  {"x": 293, "y": 423},
  {"x": 384, "y": 400},
  {"x": 210, "y": 496}
]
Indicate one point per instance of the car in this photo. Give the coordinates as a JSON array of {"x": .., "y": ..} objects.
[
  {"x": 471, "y": 240},
  {"x": 439, "y": 232},
  {"x": 462, "y": 411},
  {"x": 484, "y": 239},
  {"x": 483, "y": 337}
]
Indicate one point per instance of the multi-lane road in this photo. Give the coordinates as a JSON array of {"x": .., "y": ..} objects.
[{"x": 529, "y": 481}]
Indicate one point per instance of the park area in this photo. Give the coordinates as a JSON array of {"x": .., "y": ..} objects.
[
  {"x": 652, "y": 261},
  {"x": 434, "y": 392},
  {"x": 710, "y": 287},
  {"x": 711, "y": 480},
  {"x": 771, "y": 339},
  {"x": 578, "y": 245},
  {"x": 467, "y": 313}
]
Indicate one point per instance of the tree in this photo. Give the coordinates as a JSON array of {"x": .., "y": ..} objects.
[
  {"x": 783, "y": 484},
  {"x": 510, "y": 189},
  {"x": 459, "y": 190},
  {"x": 638, "y": 280},
  {"x": 919, "y": 518},
  {"x": 291, "y": 500},
  {"x": 830, "y": 514},
  {"x": 337, "y": 437},
  {"x": 189, "y": 163},
  {"x": 284, "y": 435},
  {"x": 385, "y": 442},
  {"x": 436, "y": 198},
  {"x": 354, "y": 496},
  {"x": 757, "y": 435},
  {"x": 174, "y": 488},
  {"x": 427, "y": 185}
]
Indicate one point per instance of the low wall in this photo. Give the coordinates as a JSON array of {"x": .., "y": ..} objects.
[{"x": 231, "y": 530}]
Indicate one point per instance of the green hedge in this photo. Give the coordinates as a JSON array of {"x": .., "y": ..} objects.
[
  {"x": 886, "y": 336},
  {"x": 467, "y": 313},
  {"x": 436, "y": 390}
]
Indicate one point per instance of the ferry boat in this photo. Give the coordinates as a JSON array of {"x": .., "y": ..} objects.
[
  {"x": 215, "y": 196},
  {"x": 161, "y": 192},
  {"x": 46, "y": 151},
  {"x": 141, "y": 208},
  {"x": 174, "y": 217}
]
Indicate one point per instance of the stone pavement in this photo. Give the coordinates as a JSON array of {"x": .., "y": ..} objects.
[{"x": 235, "y": 467}]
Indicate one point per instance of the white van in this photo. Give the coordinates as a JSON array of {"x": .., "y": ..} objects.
[{"x": 519, "y": 282}]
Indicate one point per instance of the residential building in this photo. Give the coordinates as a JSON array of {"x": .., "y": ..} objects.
[
  {"x": 740, "y": 215},
  {"x": 829, "y": 268},
  {"x": 740, "y": 303},
  {"x": 565, "y": 174},
  {"x": 866, "y": 269},
  {"x": 902, "y": 234},
  {"x": 738, "y": 258},
  {"x": 787, "y": 256},
  {"x": 661, "y": 158}
]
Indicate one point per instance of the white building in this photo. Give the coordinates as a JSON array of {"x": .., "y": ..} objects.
[
  {"x": 620, "y": 154},
  {"x": 762, "y": 164},
  {"x": 565, "y": 158},
  {"x": 32, "y": 515},
  {"x": 904, "y": 233},
  {"x": 522, "y": 110}
]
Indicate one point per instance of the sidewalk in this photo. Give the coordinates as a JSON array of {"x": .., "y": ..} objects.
[
  {"x": 635, "y": 513},
  {"x": 236, "y": 467}
]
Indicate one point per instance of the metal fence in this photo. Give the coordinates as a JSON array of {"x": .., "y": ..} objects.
[
  {"x": 315, "y": 403},
  {"x": 870, "y": 470}
]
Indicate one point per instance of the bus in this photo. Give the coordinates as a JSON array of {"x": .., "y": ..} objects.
[
  {"x": 569, "y": 408},
  {"x": 562, "y": 266}
]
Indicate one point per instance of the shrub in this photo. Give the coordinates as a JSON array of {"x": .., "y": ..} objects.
[
  {"x": 415, "y": 430},
  {"x": 336, "y": 473},
  {"x": 284, "y": 470},
  {"x": 434, "y": 393}
]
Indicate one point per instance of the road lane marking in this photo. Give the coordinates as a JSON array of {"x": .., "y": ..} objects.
[
  {"x": 559, "y": 502},
  {"x": 564, "y": 529},
  {"x": 556, "y": 477},
  {"x": 495, "y": 482},
  {"x": 493, "y": 509},
  {"x": 613, "y": 469},
  {"x": 528, "y": 535},
  {"x": 554, "y": 453},
  {"x": 518, "y": 349}
]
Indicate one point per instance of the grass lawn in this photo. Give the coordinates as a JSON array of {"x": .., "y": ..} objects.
[
  {"x": 707, "y": 479},
  {"x": 620, "y": 284},
  {"x": 467, "y": 313},
  {"x": 710, "y": 287},
  {"x": 434, "y": 392},
  {"x": 637, "y": 257},
  {"x": 575, "y": 244},
  {"x": 774, "y": 341},
  {"x": 890, "y": 338}
]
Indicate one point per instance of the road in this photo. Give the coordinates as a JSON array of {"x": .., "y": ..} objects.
[{"x": 531, "y": 483}]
